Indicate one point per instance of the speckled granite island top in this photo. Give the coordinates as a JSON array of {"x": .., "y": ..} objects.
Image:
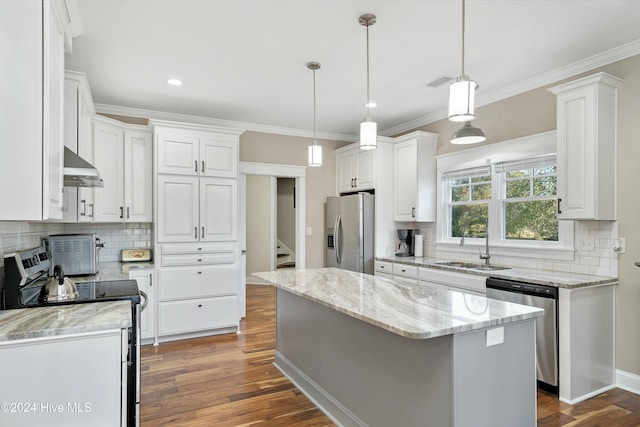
[
  {"x": 413, "y": 312},
  {"x": 64, "y": 320}
]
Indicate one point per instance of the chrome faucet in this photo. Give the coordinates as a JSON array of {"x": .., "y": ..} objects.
[{"x": 483, "y": 256}]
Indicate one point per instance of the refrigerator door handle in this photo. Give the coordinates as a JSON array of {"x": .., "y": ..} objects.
[{"x": 338, "y": 236}]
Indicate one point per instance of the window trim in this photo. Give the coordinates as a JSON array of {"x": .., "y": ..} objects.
[{"x": 520, "y": 149}]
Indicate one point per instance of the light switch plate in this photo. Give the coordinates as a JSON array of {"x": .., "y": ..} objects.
[
  {"x": 309, "y": 231},
  {"x": 495, "y": 336}
]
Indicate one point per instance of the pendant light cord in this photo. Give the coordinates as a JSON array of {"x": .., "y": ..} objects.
[
  {"x": 368, "y": 103},
  {"x": 463, "y": 19},
  {"x": 314, "y": 107}
]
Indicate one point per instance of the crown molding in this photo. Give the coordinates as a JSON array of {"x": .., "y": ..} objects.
[
  {"x": 599, "y": 60},
  {"x": 208, "y": 121}
]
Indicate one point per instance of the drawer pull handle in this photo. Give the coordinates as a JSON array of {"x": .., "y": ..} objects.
[
  {"x": 199, "y": 305},
  {"x": 195, "y": 232},
  {"x": 199, "y": 260},
  {"x": 199, "y": 249},
  {"x": 199, "y": 272}
]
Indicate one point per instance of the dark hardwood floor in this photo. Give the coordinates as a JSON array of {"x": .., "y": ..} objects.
[{"x": 229, "y": 381}]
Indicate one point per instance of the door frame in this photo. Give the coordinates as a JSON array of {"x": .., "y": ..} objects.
[{"x": 277, "y": 171}]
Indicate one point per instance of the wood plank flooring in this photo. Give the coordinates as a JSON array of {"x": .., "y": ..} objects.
[{"x": 229, "y": 381}]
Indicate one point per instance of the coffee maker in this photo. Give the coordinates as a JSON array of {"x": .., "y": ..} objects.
[{"x": 405, "y": 247}]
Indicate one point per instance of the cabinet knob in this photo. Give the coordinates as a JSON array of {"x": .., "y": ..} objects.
[
  {"x": 199, "y": 249},
  {"x": 199, "y": 260},
  {"x": 199, "y": 305},
  {"x": 199, "y": 272}
]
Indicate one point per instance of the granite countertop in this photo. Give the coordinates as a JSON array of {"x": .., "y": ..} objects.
[
  {"x": 114, "y": 270},
  {"x": 68, "y": 319},
  {"x": 542, "y": 277},
  {"x": 414, "y": 312}
]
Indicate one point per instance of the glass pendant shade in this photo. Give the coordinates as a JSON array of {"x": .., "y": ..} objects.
[
  {"x": 462, "y": 100},
  {"x": 368, "y": 135},
  {"x": 467, "y": 134},
  {"x": 315, "y": 155}
]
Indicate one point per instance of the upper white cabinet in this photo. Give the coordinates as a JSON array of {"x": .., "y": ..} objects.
[
  {"x": 587, "y": 115},
  {"x": 197, "y": 153},
  {"x": 123, "y": 155},
  {"x": 356, "y": 169},
  {"x": 78, "y": 137},
  {"x": 414, "y": 177},
  {"x": 32, "y": 108}
]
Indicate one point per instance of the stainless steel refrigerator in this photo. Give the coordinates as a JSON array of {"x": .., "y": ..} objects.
[{"x": 350, "y": 229}]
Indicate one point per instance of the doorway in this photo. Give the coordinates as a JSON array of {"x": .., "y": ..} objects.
[{"x": 259, "y": 198}]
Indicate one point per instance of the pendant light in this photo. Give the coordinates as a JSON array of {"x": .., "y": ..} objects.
[
  {"x": 368, "y": 128},
  {"x": 315, "y": 150},
  {"x": 467, "y": 134},
  {"x": 462, "y": 91}
]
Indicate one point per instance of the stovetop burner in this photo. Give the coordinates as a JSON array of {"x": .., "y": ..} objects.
[{"x": 112, "y": 290}]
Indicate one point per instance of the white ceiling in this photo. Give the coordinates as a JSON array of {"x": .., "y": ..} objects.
[{"x": 245, "y": 60}]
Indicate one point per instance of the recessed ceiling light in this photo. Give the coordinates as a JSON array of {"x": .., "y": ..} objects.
[
  {"x": 371, "y": 104},
  {"x": 174, "y": 82}
]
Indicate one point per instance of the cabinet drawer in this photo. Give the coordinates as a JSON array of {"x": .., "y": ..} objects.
[
  {"x": 197, "y": 248},
  {"x": 405, "y": 270},
  {"x": 195, "y": 282},
  {"x": 461, "y": 281},
  {"x": 197, "y": 259},
  {"x": 177, "y": 317},
  {"x": 383, "y": 266}
]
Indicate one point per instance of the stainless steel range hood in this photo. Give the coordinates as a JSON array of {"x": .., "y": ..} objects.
[{"x": 78, "y": 172}]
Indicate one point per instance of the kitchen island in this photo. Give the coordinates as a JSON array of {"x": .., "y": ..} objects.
[{"x": 372, "y": 352}]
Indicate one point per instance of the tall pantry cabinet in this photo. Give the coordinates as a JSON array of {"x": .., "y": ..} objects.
[{"x": 196, "y": 203}]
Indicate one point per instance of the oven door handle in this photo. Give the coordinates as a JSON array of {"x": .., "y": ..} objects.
[{"x": 145, "y": 302}]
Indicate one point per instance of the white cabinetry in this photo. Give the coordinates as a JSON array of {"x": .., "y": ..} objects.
[
  {"x": 193, "y": 209},
  {"x": 122, "y": 154},
  {"x": 32, "y": 109},
  {"x": 414, "y": 177},
  {"x": 197, "y": 154},
  {"x": 78, "y": 137},
  {"x": 90, "y": 392},
  {"x": 356, "y": 169},
  {"x": 145, "y": 279},
  {"x": 587, "y": 115},
  {"x": 196, "y": 230},
  {"x": 198, "y": 290}
]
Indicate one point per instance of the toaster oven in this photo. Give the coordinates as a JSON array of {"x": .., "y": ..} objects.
[{"x": 76, "y": 253}]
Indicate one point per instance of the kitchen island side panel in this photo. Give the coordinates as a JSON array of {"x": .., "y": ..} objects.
[{"x": 383, "y": 379}]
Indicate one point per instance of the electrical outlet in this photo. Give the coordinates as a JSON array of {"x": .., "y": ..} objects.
[
  {"x": 585, "y": 244},
  {"x": 309, "y": 231},
  {"x": 619, "y": 245},
  {"x": 495, "y": 336}
]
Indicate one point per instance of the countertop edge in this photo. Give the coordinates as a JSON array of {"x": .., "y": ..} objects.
[{"x": 569, "y": 281}]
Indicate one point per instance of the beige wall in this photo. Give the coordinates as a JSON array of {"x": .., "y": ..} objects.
[
  {"x": 535, "y": 111},
  {"x": 258, "y": 223},
  {"x": 286, "y": 212},
  {"x": 320, "y": 182}
]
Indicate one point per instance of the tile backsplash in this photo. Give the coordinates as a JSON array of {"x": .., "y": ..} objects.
[
  {"x": 593, "y": 251},
  {"x": 22, "y": 235}
]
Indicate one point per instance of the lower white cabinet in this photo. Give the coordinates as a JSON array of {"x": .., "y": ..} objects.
[
  {"x": 68, "y": 380},
  {"x": 198, "y": 289},
  {"x": 145, "y": 279}
]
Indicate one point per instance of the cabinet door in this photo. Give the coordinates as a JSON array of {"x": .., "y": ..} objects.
[
  {"x": 405, "y": 177},
  {"x": 365, "y": 178},
  {"x": 108, "y": 153},
  {"x": 178, "y": 154},
  {"x": 218, "y": 209},
  {"x": 346, "y": 168},
  {"x": 178, "y": 209},
  {"x": 137, "y": 176},
  {"x": 85, "y": 150},
  {"x": 53, "y": 114},
  {"x": 218, "y": 158},
  {"x": 144, "y": 278}
]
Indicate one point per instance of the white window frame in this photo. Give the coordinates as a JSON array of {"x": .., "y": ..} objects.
[{"x": 491, "y": 154}]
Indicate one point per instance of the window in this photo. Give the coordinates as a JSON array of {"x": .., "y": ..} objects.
[
  {"x": 468, "y": 205},
  {"x": 528, "y": 199}
]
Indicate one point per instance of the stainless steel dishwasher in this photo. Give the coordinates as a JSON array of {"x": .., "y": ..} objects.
[{"x": 539, "y": 296}]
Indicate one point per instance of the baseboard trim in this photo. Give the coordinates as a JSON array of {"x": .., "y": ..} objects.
[
  {"x": 333, "y": 409},
  {"x": 588, "y": 395},
  {"x": 628, "y": 381}
]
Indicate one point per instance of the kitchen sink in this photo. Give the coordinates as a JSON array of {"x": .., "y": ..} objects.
[{"x": 471, "y": 265}]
